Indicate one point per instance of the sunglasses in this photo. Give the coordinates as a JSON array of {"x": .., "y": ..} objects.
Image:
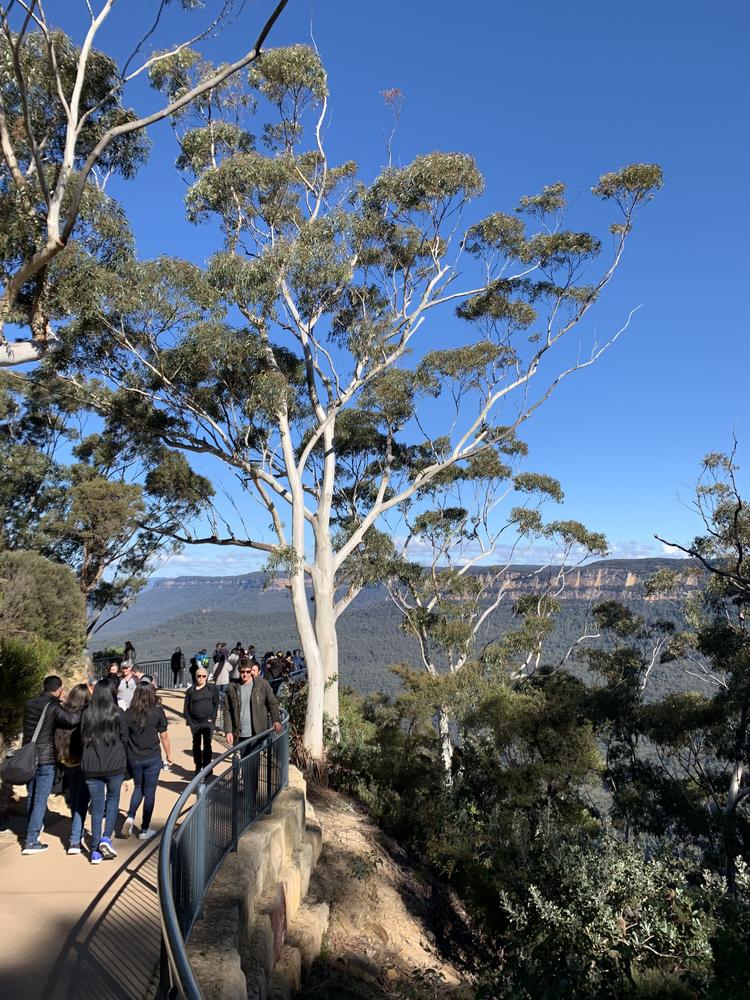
[
  {"x": 201, "y": 675},
  {"x": 245, "y": 671}
]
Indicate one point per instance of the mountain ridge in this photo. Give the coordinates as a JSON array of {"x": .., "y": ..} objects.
[{"x": 193, "y": 612}]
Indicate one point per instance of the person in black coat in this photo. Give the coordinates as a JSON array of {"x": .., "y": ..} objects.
[
  {"x": 104, "y": 738},
  {"x": 201, "y": 706},
  {"x": 39, "y": 788},
  {"x": 178, "y": 666}
]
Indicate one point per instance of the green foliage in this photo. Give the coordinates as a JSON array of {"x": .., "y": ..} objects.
[
  {"x": 24, "y": 663},
  {"x": 103, "y": 514},
  {"x": 595, "y": 919},
  {"x": 41, "y": 600}
]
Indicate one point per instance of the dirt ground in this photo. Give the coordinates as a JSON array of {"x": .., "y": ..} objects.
[{"x": 381, "y": 941}]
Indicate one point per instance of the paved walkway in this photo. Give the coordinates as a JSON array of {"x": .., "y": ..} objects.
[{"x": 71, "y": 930}]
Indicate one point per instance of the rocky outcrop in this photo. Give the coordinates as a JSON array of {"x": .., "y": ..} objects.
[{"x": 608, "y": 580}]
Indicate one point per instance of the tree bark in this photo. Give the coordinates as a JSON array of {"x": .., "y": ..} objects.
[
  {"x": 313, "y": 735},
  {"x": 446, "y": 744},
  {"x": 324, "y": 592}
]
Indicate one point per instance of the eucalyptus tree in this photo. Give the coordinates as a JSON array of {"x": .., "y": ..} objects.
[
  {"x": 87, "y": 494},
  {"x": 448, "y": 600},
  {"x": 65, "y": 128},
  {"x": 705, "y": 738},
  {"x": 329, "y": 396}
]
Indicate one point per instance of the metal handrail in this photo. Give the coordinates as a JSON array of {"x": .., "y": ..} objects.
[{"x": 177, "y": 978}]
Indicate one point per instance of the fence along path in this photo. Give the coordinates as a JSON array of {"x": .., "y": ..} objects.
[{"x": 70, "y": 930}]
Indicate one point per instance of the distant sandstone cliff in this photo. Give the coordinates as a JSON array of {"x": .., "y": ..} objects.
[{"x": 609, "y": 579}]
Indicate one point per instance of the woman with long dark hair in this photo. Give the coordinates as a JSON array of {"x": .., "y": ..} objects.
[
  {"x": 104, "y": 736},
  {"x": 147, "y": 726},
  {"x": 68, "y": 749}
]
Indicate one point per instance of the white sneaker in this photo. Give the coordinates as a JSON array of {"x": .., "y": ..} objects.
[
  {"x": 146, "y": 834},
  {"x": 127, "y": 826},
  {"x": 74, "y": 849}
]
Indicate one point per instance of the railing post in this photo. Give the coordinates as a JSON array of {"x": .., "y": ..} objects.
[
  {"x": 235, "y": 801},
  {"x": 198, "y": 869},
  {"x": 271, "y": 749}
]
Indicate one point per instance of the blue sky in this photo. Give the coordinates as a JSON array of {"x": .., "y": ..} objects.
[{"x": 539, "y": 93}]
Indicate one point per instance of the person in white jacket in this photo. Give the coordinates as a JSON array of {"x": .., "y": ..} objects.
[{"x": 222, "y": 671}]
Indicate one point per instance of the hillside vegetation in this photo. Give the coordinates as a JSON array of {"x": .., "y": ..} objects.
[{"x": 192, "y": 612}]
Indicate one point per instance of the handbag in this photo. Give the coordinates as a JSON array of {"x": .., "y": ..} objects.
[{"x": 20, "y": 767}]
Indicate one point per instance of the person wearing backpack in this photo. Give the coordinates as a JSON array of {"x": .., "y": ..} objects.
[
  {"x": 42, "y": 716},
  {"x": 104, "y": 737},
  {"x": 68, "y": 749}
]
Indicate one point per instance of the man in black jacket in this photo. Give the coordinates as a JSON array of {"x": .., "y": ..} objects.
[
  {"x": 40, "y": 786},
  {"x": 248, "y": 705}
]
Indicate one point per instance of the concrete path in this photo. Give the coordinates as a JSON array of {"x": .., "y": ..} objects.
[{"x": 71, "y": 930}]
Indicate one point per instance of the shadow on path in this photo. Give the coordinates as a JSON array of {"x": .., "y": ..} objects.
[{"x": 114, "y": 947}]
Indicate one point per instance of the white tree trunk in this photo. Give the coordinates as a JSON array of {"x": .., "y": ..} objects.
[
  {"x": 21, "y": 352},
  {"x": 446, "y": 745},
  {"x": 313, "y": 735},
  {"x": 324, "y": 591}
]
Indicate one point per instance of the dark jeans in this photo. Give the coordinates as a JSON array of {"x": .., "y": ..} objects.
[
  {"x": 251, "y": 771},
  {"x": 202, "y": 755},
  {"x": 222, "y": 688},
  {"x": 146, "y": 777},
  {"x": 79, "y": 802},
  {"x": 105, "y": 804},
  {"x": 37, "y": 793},
  {"x": 177, "y": 675}
]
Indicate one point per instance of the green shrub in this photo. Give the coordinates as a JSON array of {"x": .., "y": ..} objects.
[
  {"x": 40, "y": 598},
  {"x": 598, "y": 920},
  {"x": 24, "y": 663}
]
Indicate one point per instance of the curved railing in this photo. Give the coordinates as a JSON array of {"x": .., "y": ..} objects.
[{"x": 194, "y": 843}]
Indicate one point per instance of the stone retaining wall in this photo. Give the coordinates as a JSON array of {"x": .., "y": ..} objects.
[{"x": 257, "y": 936}]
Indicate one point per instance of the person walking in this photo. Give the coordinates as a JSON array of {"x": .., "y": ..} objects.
[
  {"x": 178, "y": 667},
  {"x": 249, "y": 704},
  {"x": 201, "y": 707},
  {"x": 275, "y": 671},
  {"x": 233, "y": 660},
  {"x": 42, "y": 716},
  {"x": 104, "y": 737},
  {"x": 68, "y": 749},
  {"x": 147, "y": 728},
  {"x": 222, "y": 670},
  {"x": 193, "y": 668},
  {"x": 127, "y": 686}
]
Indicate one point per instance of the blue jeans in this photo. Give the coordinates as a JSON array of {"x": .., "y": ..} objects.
[
  {"x": 79, "y": 803},
  {"x": 146, "y": 777},
  {"x": 38, "y": 790},
  {"x": 105, "y": 803}
]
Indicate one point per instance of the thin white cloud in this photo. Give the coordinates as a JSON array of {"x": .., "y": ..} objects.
[
  {"x": 671, "y": 552},
  {"x": 213, "y": 560}
]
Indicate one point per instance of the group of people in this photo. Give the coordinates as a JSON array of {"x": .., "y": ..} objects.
[
  {"x": 223, "y": 665},
  {"x": 91, "y": 742},
  {"x": 99, "y": 734}
]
